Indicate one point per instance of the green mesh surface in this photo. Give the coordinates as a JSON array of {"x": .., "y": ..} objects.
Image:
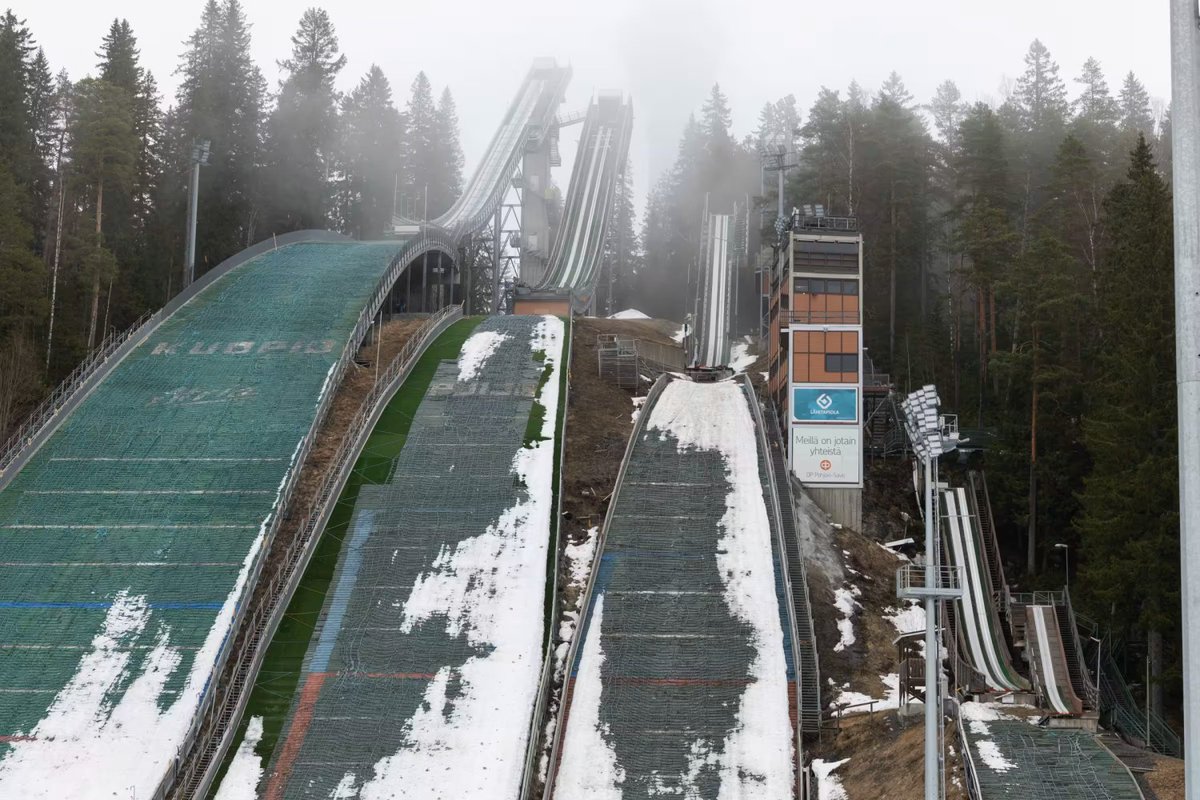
[
  {"x": 1046, "y": 764},
  {"x": 159, "y": 483}
]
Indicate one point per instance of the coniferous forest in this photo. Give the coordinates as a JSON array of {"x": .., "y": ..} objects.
[
  {"x": 1018, "y": 252},
  {"x": 94, "y": 175}
]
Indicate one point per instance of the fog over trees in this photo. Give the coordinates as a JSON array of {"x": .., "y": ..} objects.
[{"x": 1018, "y": 255}]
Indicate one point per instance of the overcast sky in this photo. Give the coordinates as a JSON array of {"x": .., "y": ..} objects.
[{"x": 665, "y": 53}]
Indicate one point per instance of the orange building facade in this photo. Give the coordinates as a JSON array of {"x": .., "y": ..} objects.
[{"x": 815, "y": 358}]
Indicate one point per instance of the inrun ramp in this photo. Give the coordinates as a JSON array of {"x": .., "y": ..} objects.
[
  {"x": 599, "y": 164},
  {"x": 681, "y": 681},
  {"x": 129, "y": 538},
  {"x": 1049, "y": 660},
  {"x": 421, "y": 677},
  {"x": 715, "y": 293},
  {"x": 984, "y": 645},
  {"x": 527, "y": 121}
]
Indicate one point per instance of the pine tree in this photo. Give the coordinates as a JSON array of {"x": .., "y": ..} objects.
[
  {"x": 947, "y": 110},
  {"x": 897, "y": 160},
  {"x": 1040, "y": 97},
  {"x": 449, "y": 151},
  {"x": 302, "y": 131},
  {"x": 370, "y": 156},
  {"x": 1037, "y": 114},
  {"x": 104, "y": 156},
  {"x": 1095, "y": 103}
]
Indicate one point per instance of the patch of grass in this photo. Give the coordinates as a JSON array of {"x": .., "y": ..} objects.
[
  {"x": 564, "y": 367},
  {"x": 537, "y": 416},
  {"x": 275, "y": 687}
]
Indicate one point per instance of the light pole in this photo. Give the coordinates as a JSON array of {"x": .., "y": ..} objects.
[
  {"x": 930, "y": 438},
  {"x": 1066, "y": 548},
  {"x": 1099, "y": 647},
  {"x": 778, "y": 156},
  {"x": 1185, "y": 149},
  {"x": 200, "y": 149}
]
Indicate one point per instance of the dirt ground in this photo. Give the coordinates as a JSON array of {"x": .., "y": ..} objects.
[
  {"x": 598, "y": 422},
  {"x": 885, "y": 751},
  {"x": 1166, "y": 781},
  {"x": 886, "y": 758}
]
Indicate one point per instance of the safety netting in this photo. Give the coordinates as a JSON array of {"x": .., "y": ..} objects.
[
  {"x": 682, "y": 679},
  {"x": 423, "y": 669},
  {"x": 126, "y": 541}
]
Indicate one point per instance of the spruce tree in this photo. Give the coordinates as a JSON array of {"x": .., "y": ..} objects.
[
  {"x": 1134, "y": 108},
  {"x": 128, "y": 215},
  {"x": 302, "y": 131},
  {"x": 220, "y": 99},
  {"x": 619, "y": 265},
  {"x": 449, "y": 151},
  {"x": 420, "y": 152},
  {"x": 1130, "y": 520},
  {"x": 370, "y": 156}
]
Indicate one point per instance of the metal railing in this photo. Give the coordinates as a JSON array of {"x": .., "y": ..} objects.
[
  {"x": 806, "y": 647},
  {"x": 804, "y": 222},
  {"x": 970, "y": 771},
  {"x": 776, "y": 512},
  {"x": 270, "y": 601},
  {"x": 912, "y": 582},
  {"x": 1040, "y": 598},
  {"x": 1119, "y": 711},
  {"x": 40, "y": 425},
  {"x": 207, "y": 714},
  {"x": 66, "y": 391},
  {"x": 789, "y": 316},
  {"x": 585, "y": 607}
]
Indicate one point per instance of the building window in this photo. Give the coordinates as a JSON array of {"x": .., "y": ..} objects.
[
  {"x": 841, "y": 362},
  {"x": 848, "y": 288}
]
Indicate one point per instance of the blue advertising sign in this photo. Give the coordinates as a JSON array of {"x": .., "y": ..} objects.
[{"x": 825, "y": 404}]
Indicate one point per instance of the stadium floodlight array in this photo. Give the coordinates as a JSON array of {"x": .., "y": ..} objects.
[{"x": 926, "y": 428}]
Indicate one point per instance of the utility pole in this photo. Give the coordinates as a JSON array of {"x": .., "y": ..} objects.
[
  {"x": 200, "y": 149},
  {"x": 1185, "y": 148}
]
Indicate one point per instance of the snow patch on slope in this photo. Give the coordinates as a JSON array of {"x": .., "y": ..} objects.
[
  {"x": 488, "y": 588},
  {"x": 476, "y": 351},
  {"x": 844, "y": 600},
  {"x": 589, "y": 765},
  {"x": 740, "y": 356},
  {"x": 828, "y": 785},
  {"x": 246, "y": 769},
  {"x": 120, "y": 748},
  {"x": 629, "y": 313}
]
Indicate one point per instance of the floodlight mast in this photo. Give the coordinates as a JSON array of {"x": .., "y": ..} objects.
[{"x": 926, "y": 434}]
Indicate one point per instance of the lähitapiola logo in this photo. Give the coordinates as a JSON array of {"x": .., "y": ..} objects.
[{"x": 824, "y": 402}]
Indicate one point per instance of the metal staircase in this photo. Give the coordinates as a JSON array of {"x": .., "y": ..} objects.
[
  {"x": 808, "y": 666},
  {"x": 1081, "y": 681}
]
